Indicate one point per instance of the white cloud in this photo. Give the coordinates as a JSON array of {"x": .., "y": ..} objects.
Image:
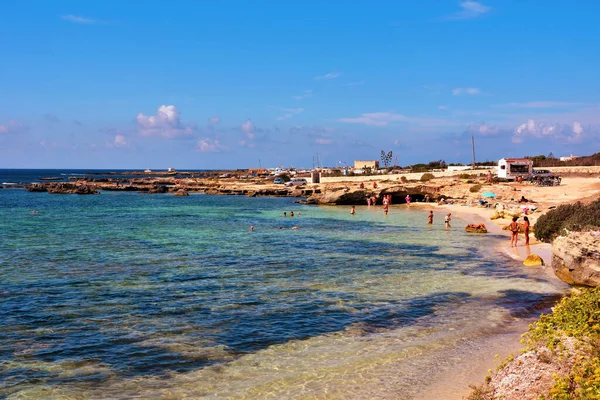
[
  {"x": 563, "y": 133},
  {"x": 331, "y": 75},
  {"x": 120, "y": 141},
  {"x": 462, "y": 91},
  {"x": 307, "y": 94},
  {"x": 289, "y": 113},
  {"x": 78, "y": 19},
  {"x": 166, "y": 123},
  {"x": 208, "y": 145},
  {"x": 469, "y": 10},
  {"x": 215, "y": 120},
  {"x": 375, "y": 119},
  {"x": 442, "y": 107},
  {"x": 248, "y": 129},
  {"x": 483, "y": 129},
  {"x": 12, "y": 126}
]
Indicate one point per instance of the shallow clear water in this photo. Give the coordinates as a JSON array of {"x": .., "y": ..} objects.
[{"x": 126, "y": 295}]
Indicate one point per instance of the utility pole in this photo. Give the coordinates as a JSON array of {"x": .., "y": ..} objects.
[{"x": 473, "y": 144}]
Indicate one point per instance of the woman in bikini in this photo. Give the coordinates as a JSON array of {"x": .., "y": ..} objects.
[
  {"x": 514, "y": 229},
  {"x": 526, "y": 229}
]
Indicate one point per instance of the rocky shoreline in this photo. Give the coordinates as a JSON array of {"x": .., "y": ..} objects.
[{"x": 327, "y": 193}]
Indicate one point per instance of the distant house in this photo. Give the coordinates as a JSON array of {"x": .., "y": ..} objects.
[
  {"x": 366, "y": 165},
  {"x": 511, "y": 168},
  {"x": 569, "y": 158},
  {"x": 171, "y": 170}
]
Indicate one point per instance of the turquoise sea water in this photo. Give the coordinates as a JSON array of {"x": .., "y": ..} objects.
[{"x": 124, "y": 295}]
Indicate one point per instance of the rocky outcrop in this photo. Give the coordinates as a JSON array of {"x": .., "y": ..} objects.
[
  {"x": 36, "y": 188},
  {"x": 576, "y": 258},
  {"x": 62, "y": 188},
  {"x": 345, "y": 195}
]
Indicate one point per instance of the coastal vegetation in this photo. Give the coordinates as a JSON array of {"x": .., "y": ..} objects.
[
  {"x": 566, "y": 343},
  {"x": 551, "y": 161},
  {"x": 572, "y": 334},
  {"x": 427, "y": 177},
  {"x": 567, "y": 217}
]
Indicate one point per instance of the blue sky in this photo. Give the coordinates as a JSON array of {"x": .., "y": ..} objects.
[{"x": 197, "y": 85}]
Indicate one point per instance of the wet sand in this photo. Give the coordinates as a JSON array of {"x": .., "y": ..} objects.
[{"x": 471, "y": 370}]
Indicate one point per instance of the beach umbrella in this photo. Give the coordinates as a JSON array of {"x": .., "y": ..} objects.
[{"x": 488, "y": 194}]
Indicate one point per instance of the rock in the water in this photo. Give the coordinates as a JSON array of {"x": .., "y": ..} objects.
[
  {"x": 69, "y": 188},
  {"x": 181, "y": 192},
  {"x": 576, "y": 258},
  {"x": 533, "y": 260}
]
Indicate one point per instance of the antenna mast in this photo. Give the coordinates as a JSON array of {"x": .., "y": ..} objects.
[{"x": 473, "y": 144}]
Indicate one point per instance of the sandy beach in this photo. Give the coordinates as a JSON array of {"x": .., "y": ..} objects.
[{"x": 571, "y": 190}]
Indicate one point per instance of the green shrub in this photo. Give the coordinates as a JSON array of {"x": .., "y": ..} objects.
[
  {"x": 577, "y": 317},
  {"x": 573, "y": 217},
  {"x": 475, "y": 188},
  {"x": 465, "y": 176},
  {"x": 427, "y": 177},
  {"x": 404, "y": 179}
]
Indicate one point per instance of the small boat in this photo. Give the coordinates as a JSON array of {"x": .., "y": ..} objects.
[{"x": 52, "y": 178}]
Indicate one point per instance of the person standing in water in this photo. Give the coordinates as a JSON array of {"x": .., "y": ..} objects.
[
  {"x": 447, "y": 220},
  {"x": 514, "y": 229},
  {"x": 430, "y": 218},
  {"x": 353, "y": 210}
]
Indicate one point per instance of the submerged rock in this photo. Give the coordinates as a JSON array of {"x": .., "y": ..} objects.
[
  {"x": 576, "y": 258},
  {"x": 181, "y": 192}
]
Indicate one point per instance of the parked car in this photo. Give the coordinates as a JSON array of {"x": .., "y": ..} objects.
[
  {"x": 296, "y": 182},
  {"x": 278, "y": 181},
  {"x": 541, "y": 173}
]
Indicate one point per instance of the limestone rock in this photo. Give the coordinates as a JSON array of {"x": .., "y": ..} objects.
[
  {"x": 181, "y": 192},
  {"x": 70, "y": 188},
  {"x": 533, "y": 260},
  {"x": 576, "y": 258}
]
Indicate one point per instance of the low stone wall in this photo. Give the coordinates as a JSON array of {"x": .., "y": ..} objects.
[
  {"x": 574, "y": 170},
  {"x": 397, "y": 177}
]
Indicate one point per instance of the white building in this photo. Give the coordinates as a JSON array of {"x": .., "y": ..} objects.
[{"x": 569, "y": 158}]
